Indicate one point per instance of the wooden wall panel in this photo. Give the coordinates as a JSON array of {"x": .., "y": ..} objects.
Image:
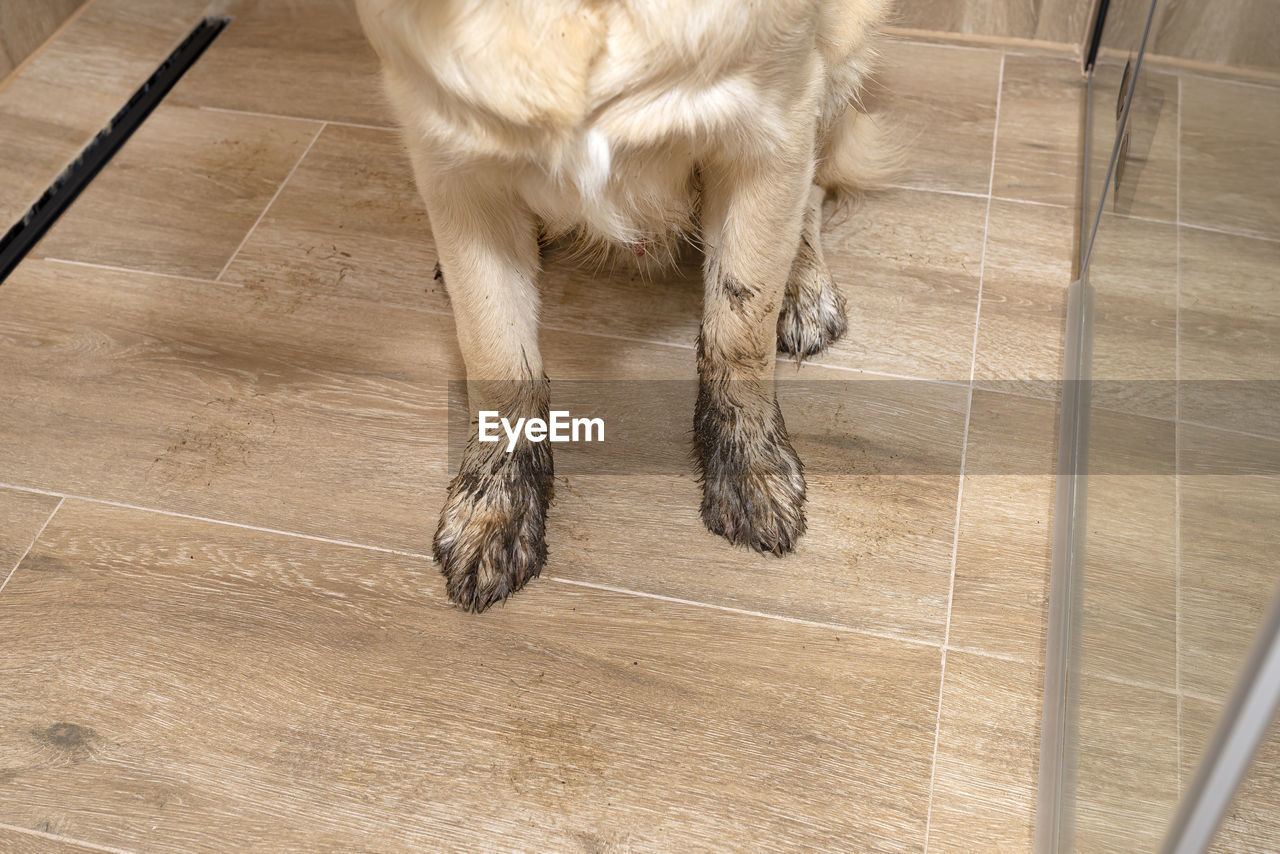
[
  {"x": 1233, "y": 33},
  {"x": 1015, "y": 18},
  {"x": 1241, "y": 33},
  {"x": 25, "y": 24},
  {"x": 1047, "y": 20},
  {"x": 1062, "y": 20}
]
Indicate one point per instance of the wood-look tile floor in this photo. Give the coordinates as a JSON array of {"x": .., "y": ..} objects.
[{"x": 223, "y": 393}]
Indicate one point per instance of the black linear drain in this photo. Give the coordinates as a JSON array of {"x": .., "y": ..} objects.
[{"x": 26, "y": 233}]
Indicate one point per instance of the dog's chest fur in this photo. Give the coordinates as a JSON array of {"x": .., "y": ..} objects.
[{"x": 595, "y": 112}]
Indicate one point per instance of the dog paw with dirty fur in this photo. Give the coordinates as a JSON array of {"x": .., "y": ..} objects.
[
  {"x": 813, "y": 315},
  {"x": 753, "y": 489},
  {"x": 492, "y": 534}
]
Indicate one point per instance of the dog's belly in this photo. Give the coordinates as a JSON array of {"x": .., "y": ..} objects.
[{"x": 640, "y": 198}]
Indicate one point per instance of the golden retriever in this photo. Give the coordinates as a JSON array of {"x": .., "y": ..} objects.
[{"x": 633, "y": 123}]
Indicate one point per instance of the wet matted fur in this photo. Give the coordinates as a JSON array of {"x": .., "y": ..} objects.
[{"x": 634, "y": 124}]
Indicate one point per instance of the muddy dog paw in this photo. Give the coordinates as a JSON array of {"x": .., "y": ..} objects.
[
  {"x": 492, "y": 534},
  {"x": 753, "y": 489},
  {"x": 813, "y": 315}
]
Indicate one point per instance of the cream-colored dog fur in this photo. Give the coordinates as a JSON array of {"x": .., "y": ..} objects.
[{"x": 632, "y": 122}]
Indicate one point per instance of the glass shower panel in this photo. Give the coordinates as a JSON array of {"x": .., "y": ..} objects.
[
  {"x": 1180, "y": 526},
  {"x": 1229, "y": 414}
]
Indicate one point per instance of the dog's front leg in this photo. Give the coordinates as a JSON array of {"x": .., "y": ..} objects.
[
  {"x": 753, "y": 482},
  {"x": 491, "y": 538}
]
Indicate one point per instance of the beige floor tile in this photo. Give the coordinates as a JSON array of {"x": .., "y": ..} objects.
[
  {"x": 1023, "y": 317},
  {"x": 1224, "y": 127},
  {"x": 876, "y": 556},
  {"x": 304, "y": 58},
  {"x": 1038, "y": 140},
  {"x": 22, "y": 514},
  {"x": 25, "y": 26},
  {"x": 349, "y": 222},
  {"x": 355, "y": 711},
  {"x": 1208, "y": 451},
  {"x": 907, "y": 263},
  {"x": 984, "y": 789},
  {"x": 1128, "y": 619},
  {"x": 244, "y": 405},
  {"x": 1127, "y": 768},
  {"x": 1199, "y": 717},
  {"x": 1252, "y": 822},
  {"x": 1000, "y": 599},
  {"x": 1127, "y": 445},
  {"x": 878, "y": 550},
  {"x": 16, "y": 842},
  {"x": 1229, "y": 568},
  {"x": 210, "y": 400},
  {"x": 1134, "y": 279},
  {"x": 74, "y": 85},
  {"x": 941, "y": 101},
  {"x": 1230, "y": 331},
  {"x": 182, "y": 194},
  {"x": 34, "y": 150}
]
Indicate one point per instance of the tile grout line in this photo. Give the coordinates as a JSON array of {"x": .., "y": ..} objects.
[
  {"x": 1215, "y": 427},
  {"x": 1270, "y": 85},
  {"x": 790, "y": 360},
  {"x": 115, "y": 269},
  {"x": 1249, "y": 235},
  {"x": 31, "y": 544},
  {"x": 1151, "y": 686},
  {"x": 391, "y": 129},
  {"x": 964, "y": 450},
  {"x": 1175, "y": 420},
  {"x": 987, "y": 653},
  {"x": 576, "y": 331},
  {"x": 818, "y": 624},
  {"x": 1177, "y": 435},
  {"x": 1132, "y": 683},
  {"x": 968, "y": 195},
  {"x": 1031, "y": 202},
  {"x": 54, "y": 837},
  {"x": 568, "y": 581},
  {"x": 337, "y": 122},
  {"x": 963, "y": 193},
  {"x": 211, "y": 520},
  {"x": 274, "y": 196},
  {"x": 1229, "y": 232}
]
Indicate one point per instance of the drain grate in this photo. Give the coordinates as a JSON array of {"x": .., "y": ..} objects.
[{"x": 40, "y": 217}]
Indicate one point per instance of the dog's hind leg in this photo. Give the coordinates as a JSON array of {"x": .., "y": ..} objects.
[
  {"x": 491, "y": 536},
  {"x": 813, "y": 309},
  {"x": 753, "y": 482}
]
